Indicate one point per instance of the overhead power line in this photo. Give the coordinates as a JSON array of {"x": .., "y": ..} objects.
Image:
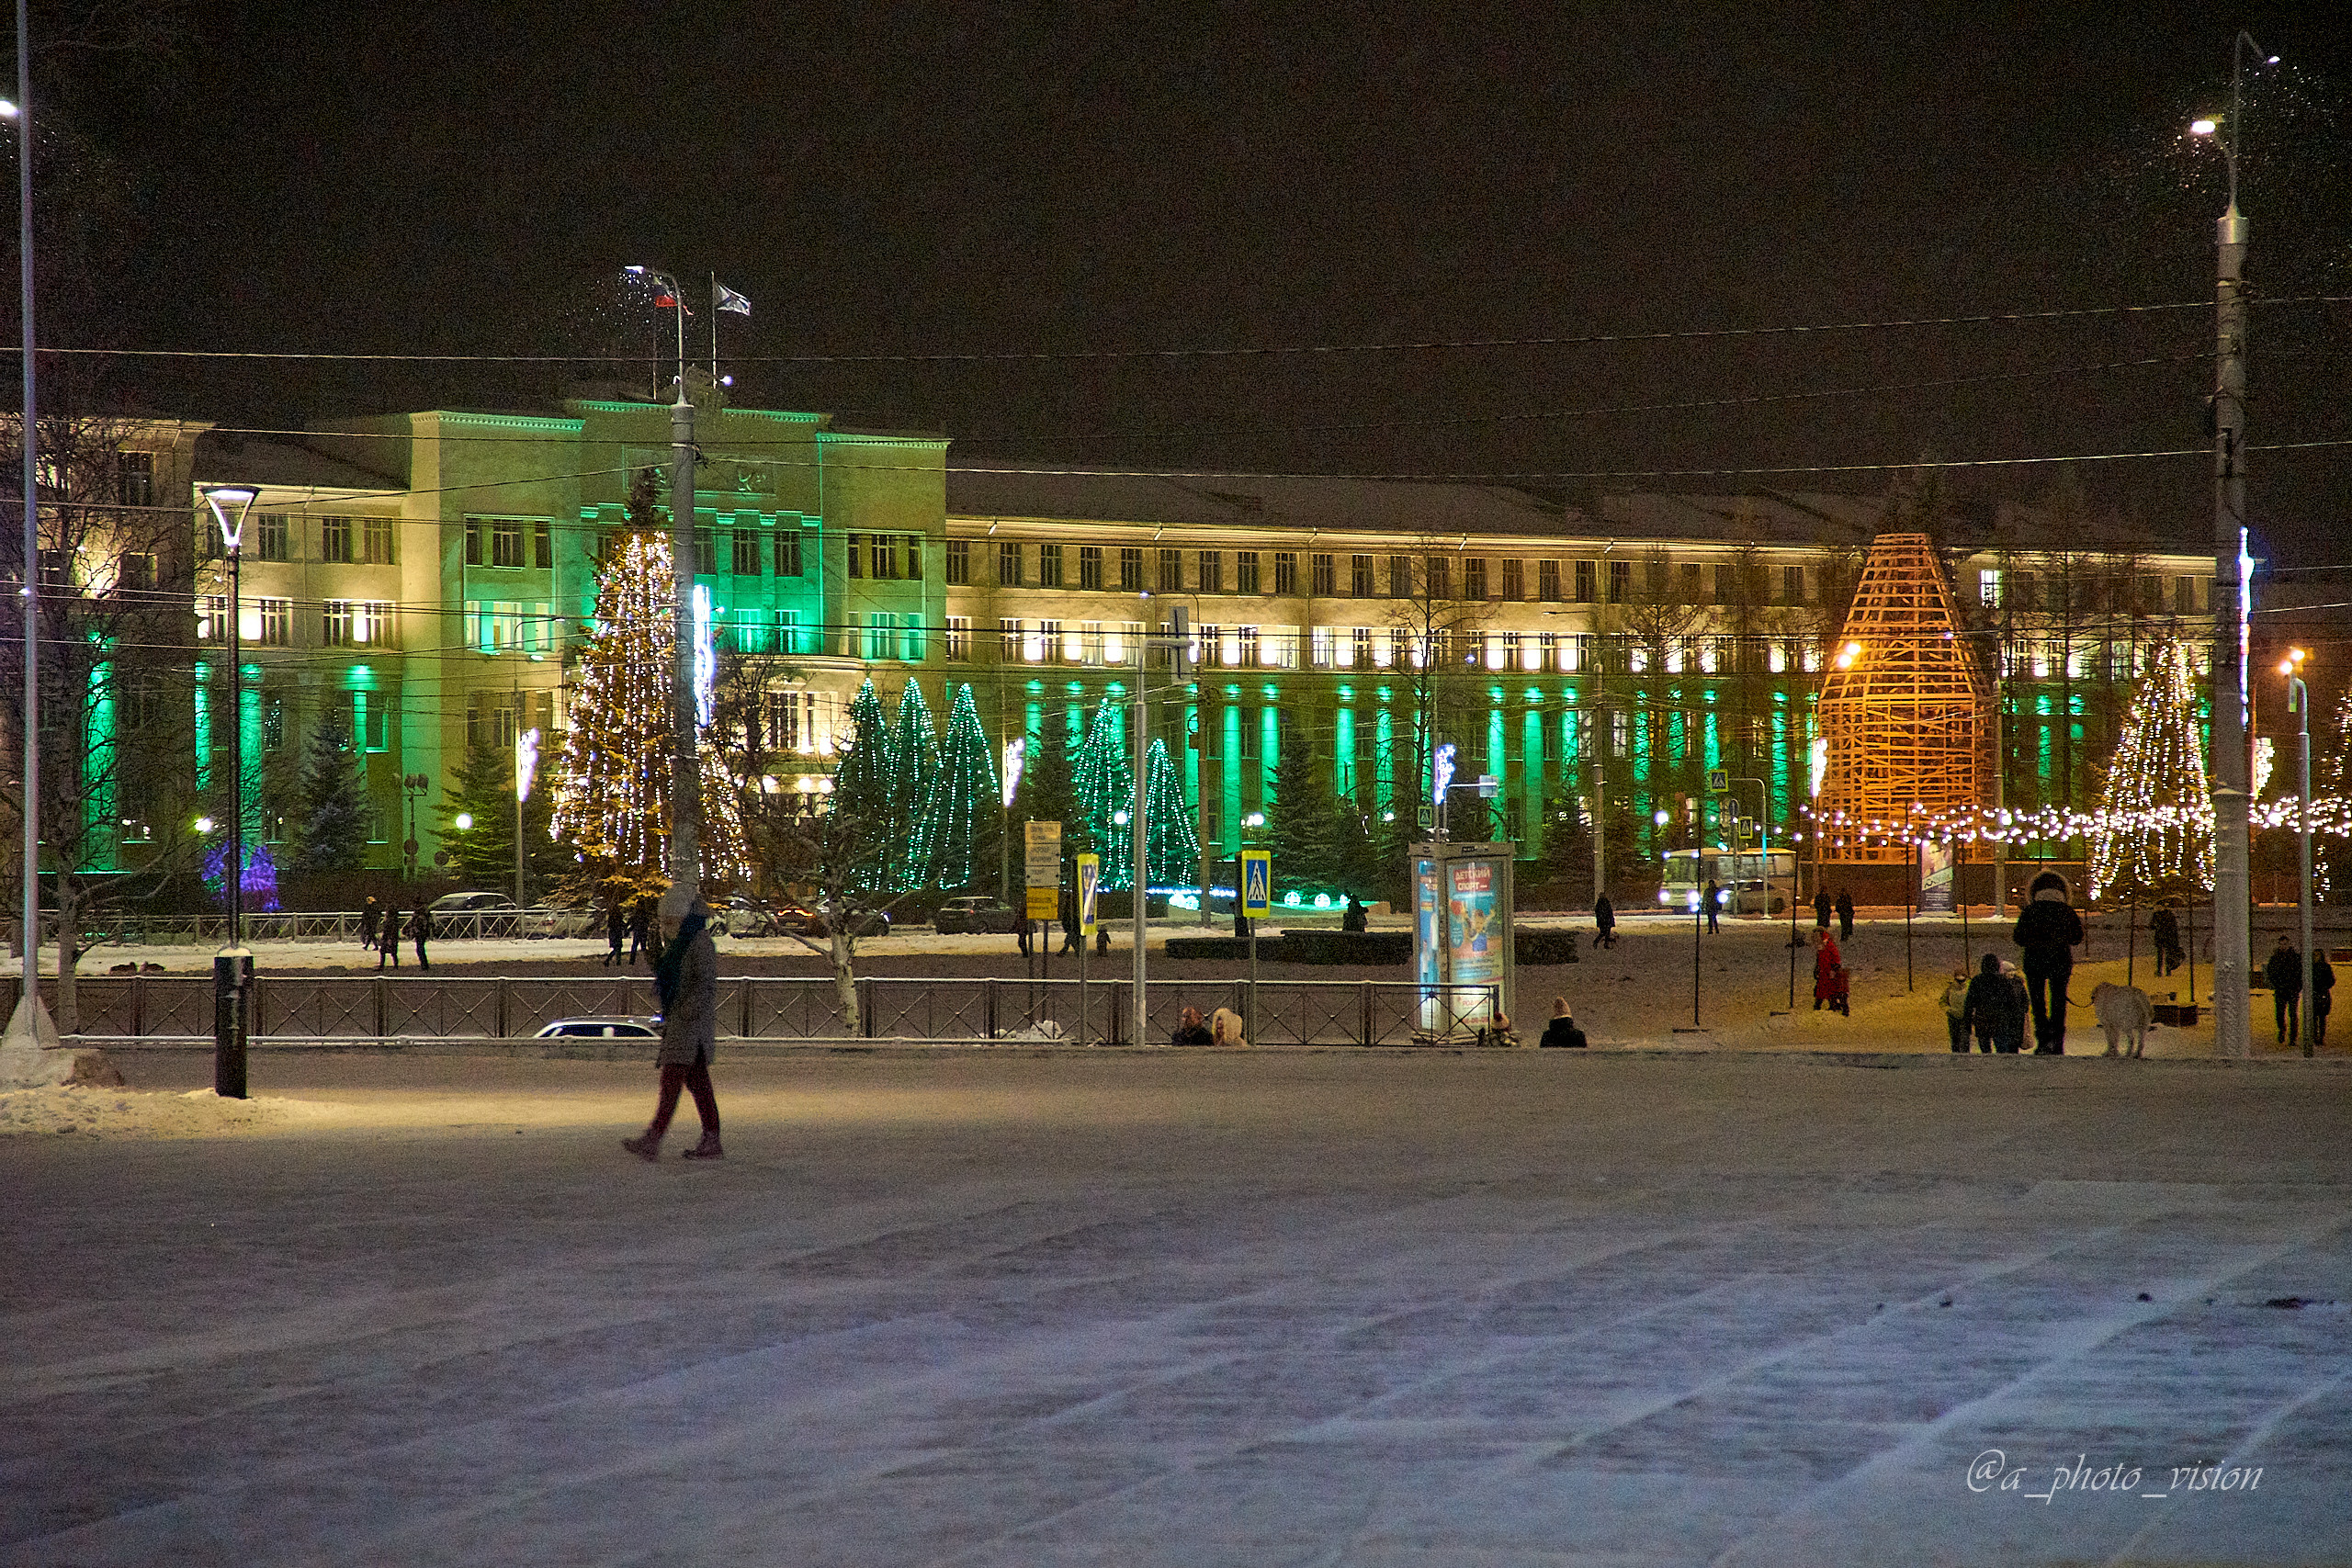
[{"x": 1226, "y": 351}]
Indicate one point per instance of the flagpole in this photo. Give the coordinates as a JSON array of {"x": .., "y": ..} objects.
[{"x": 714, "y": 329}]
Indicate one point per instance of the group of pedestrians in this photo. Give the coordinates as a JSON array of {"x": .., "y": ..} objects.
[
  {"x": 381, "y": 928},
  {"x": 631, "y": 918},
  {"x": 2284, "y": 971}
]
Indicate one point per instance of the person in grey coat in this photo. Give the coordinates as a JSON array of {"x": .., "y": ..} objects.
[{"x": 685, "y": 978}]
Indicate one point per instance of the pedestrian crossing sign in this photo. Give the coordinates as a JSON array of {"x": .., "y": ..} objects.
[
  {"x": 1090, "y": 882},
  {"x": 1257, "y": 884},
  {"x": 1718, "y": 780}
]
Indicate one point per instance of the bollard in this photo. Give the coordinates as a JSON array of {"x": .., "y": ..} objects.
[{"x": 233, "y": 972}]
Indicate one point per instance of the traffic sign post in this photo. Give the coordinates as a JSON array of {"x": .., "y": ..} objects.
[
  {"x": 1257, "y": 903},
  {"x": 1089, "y": 876},
  {"x": 1041, "y": 860}
]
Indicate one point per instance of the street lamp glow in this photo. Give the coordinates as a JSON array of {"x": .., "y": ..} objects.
[
  {"x": 7, "y": 108},
  {"x": 220, "y": 498},
  {"x": 465, "y": 820},
  {"x": 204, "y": 824},
  {"x": 2203, "y": 127}
]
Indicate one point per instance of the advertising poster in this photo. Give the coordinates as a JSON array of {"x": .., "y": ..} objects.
[
  {"x": 1425, "y": 917},
  {"x": 1937, "y": 863},
  {"x": 1473, "y": 934}
]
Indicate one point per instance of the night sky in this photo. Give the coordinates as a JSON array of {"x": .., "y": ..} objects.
[{"x": 1066, "y": 181}]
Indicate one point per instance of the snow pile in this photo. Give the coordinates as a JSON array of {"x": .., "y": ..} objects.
[{"x": 128, "y": 1114}]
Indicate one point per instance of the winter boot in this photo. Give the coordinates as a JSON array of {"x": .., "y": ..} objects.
[
  {"x": 707, "y": 1149},
  {"x": 645, "y": 1145}
]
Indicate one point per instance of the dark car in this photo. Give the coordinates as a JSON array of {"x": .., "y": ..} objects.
[
  {"x": 812, "y": 924},
  {"x": 974, "y": 912},
  {"x": 612, "y": 1028}
]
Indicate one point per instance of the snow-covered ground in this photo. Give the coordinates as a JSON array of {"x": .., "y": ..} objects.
[{"x": 1196, "y": 1308}]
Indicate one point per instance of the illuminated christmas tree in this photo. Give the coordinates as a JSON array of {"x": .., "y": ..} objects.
[
  {"x": 612, "y": 800},
  {"x": 964, "y": 805},
  {"x": 2332, "y": 850},
  {"x": 861, "y": 778},
  {"x": 1172, "y": 848},
  {"x": 913, "y": 776},
  {"x": 1104, "y": 783},
  {"x": 2152, "y": 834}
]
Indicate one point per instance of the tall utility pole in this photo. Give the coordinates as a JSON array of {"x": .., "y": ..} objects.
[
  {"x": 30, "y": 1026},
  {"x": 685, "y": 766},
  {"x": 2232, "y": 770}
]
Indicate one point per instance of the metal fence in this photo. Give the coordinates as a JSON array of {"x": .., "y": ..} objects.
[
  {"x": 958, "y": 1008},
  {"x": 298, "y": 925}
]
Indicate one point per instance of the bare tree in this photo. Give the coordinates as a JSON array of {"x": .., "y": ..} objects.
[{"x": 115, "y": 571}]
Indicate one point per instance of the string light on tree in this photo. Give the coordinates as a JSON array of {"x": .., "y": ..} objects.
[
  {"x": 1172, "y": 848},
  {"x": 2152, "y": 832},
  {"x": 1104, "y": 783},
  {"x": 964, "y": 799},
  {"x": 612, "y": 803},
  {"x": 913, "y": 770}
]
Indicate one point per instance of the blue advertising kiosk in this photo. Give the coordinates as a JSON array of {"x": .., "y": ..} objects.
[{"x": 1462, "y": 941}]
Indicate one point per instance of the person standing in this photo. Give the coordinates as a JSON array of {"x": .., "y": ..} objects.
[
  {"x": 388, "y": 937},
  {"x": 1068, "y": 904},
  {"x": 2049, "y": 930},
  {"x": 2013, "y": 1017},
  {"x": 1828, "y": 974},
  {"x": 1604, "y": 920},
  {"x": 1986, "y": 1008},
  {"x": 1714, "y": 903},
  {"x": 371, "y": 914},
  {"x": 1821, "y": 910},
  {"x": 685, "y": 980},
  {"x": 1955, "y": 1000},
  {"x": 1354, "y": 919},
  {"x": 420, "y": 929},
  {"x": 640, "y": 926},
  {"x": 1845, "y": 916},
  {"x": 2164, "y": 927},
  {"x": 616, "y": 933},
  {"x": 2285, "y": 973},
  {"x": 2322, "y": 994}
]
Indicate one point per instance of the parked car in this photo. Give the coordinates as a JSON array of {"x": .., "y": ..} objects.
[
  {"x": 614, "y": 1028},
  {"x": 476, "y": 914},
  {"x": 739, "y": 916},
  {"x": 811, "y": 922},
  {"x": 974, "y": 912},
  {"x": 560, "y": 920}
]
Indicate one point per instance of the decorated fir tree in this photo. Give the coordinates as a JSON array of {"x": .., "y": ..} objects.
[
  {"x": 913, "y": 777},
  {"x": 862, "y": 784},
  {"x": 964, "y": 805},
  {"x": 482, "y": 853},
  {"x": 1172, "y": 847},
  {"x": 1104, "y": 783},
  {"x": 2332, "y": 850},
  {"x": 2153, "y": 835},
  {"x": 612, "y": 802}
]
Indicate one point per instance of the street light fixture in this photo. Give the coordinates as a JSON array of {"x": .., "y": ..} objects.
[
  {"x": 2299, "y": 702},
  {"x": 232, "y": 967}
]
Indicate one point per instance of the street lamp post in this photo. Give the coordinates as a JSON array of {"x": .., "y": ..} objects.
[
  {"x": 2299, "y": 702},
  {"x": 685, "y": 767},
  {"x": 2233, "y": 910},
  {"x": 232, "y": 967},
  {"x": 412, "y": 789}
]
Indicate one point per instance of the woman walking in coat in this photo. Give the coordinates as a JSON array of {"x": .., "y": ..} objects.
[
  {"x": 685, "y": 979},
  {"x": 1829, "y": 974}
]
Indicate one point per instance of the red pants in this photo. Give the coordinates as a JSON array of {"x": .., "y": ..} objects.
[{"x": 698, "y": 1078}]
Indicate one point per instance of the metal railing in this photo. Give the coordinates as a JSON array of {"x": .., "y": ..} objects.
[{"x": 953, "y": 1008}]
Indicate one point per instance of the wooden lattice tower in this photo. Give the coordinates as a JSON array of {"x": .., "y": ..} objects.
[{"x": 1905, "y": 709}]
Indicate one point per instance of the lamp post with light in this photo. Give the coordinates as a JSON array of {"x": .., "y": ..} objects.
[
  {"x": 2232, "y": 793},
  {"x": 686, "y": 769},
  {"x": 232, "y": 967},
  {"x": 2299, "y": 702}
]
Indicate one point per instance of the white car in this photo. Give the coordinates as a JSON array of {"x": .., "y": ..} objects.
[{"x": 614, "y": 1028}]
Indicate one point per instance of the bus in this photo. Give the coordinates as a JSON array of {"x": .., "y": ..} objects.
[{"x": 1753, "y": 882}]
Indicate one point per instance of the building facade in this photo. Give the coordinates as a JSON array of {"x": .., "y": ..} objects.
[{"x": 420, "y": 579}]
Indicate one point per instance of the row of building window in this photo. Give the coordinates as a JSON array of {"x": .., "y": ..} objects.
[
  {"x": 346, "y": 541},
  {"x": 1367, "y": 576},
  {"x": 2143, "y": 593}
]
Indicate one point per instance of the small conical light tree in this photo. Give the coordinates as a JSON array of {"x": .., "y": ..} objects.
[
  {"x": 612, "y": 802},
  {"x": 914, "y": 775},
  {"x": 1104, "y": 782},
  {"x": 2154, "y": 833},
  {"x": 862, "y": 784},
  {"x": 965, "y": 799},
  {"x": 1172, "y": 848}
]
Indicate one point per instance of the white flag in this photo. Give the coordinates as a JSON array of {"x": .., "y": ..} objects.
[{"x": 728, "y": 300}]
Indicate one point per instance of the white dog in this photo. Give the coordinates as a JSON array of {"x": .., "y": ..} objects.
[{"x": 2125, "y": 1012}]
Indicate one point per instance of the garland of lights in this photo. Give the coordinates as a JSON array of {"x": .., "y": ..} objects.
[
  {"x": 1172, "y": 848},
  {"x": 966, "y": 791},
  {"x": 913, "y": 770},
  {"x": 1104, "y": 783},
  {"x": 861, "y": 779},
  {"x": 2329, "y": 858}
]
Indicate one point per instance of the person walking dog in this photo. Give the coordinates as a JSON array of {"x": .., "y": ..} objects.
[{"x": 686, "y": 981}]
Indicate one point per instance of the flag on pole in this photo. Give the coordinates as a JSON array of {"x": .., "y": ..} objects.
[{"x": 728, "y": 300}]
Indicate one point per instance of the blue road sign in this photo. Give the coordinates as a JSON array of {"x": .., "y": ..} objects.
[{"x": 1256, "y": 883}]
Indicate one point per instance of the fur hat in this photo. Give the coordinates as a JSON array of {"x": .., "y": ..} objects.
[{"x": 2049, "y": 885}]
